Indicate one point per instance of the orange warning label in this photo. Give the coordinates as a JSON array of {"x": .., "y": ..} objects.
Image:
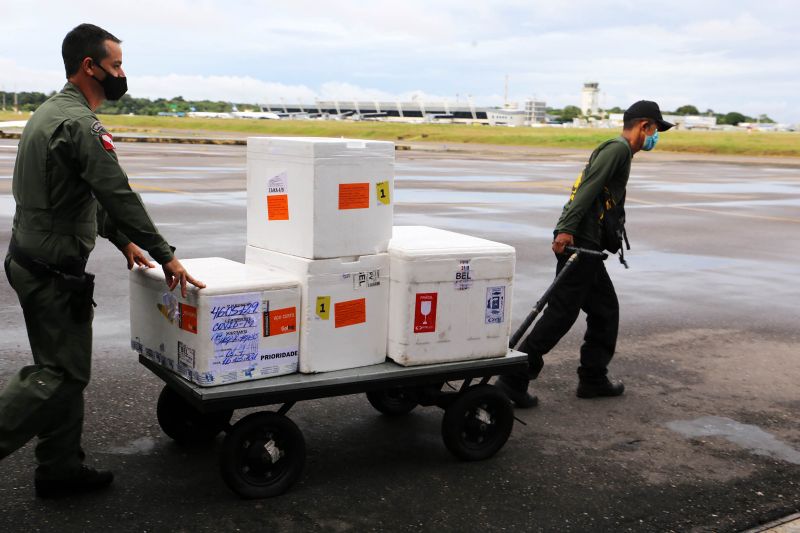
[
  {"x": 278, "y": 207},
  {"x": 280, "y": 321},
  {"x": 188, "y": 318},
  {"x": 350, "y": 313},
  {"x": 353, "y": 195}
]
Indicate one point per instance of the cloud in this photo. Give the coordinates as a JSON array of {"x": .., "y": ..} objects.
[{"x": 718, "y": 54}]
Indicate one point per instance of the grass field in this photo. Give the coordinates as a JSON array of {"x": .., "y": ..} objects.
[{"x": 716, "y": 142}]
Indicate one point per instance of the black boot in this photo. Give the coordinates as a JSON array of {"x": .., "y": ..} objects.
[
  {"x": 84, "y": 480},
  {"x": 516, "y": 388},
  {"x": 599, "y": 387}
]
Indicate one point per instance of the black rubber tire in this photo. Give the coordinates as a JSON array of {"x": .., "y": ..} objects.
[
  {"x": 186, "y": 425},
  {"x": 478, "y": 423},
  {"x": 391, "y": 402},
  {"x": 249, "y": 469}
]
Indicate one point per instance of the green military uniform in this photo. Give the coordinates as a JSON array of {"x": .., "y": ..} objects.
[
  {"x": 587, "y": 285},
  {"x": 607, "y": 172},
  {"x": 68, "y": 187}
]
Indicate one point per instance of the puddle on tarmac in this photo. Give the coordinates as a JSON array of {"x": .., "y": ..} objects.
[
  {"x": 140, "y": 446},
  {"x": 499, "y": 230},
  {"x": 749, "y": 437},
  {"x": 653, "y": 261},
  {"x": 7, "y": 205},
  {"x": 445, "y": 196},
  {"x": 745, "y": 187},
  {"x": 233, "y": 198},
  {"x": 206, "y": 169},
  {"x": 460, "y": 177}
]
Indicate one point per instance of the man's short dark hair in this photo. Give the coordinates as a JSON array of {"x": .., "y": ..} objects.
[
  {"x": 85, "y": 40},
  {"x": 631, "y": 122}
]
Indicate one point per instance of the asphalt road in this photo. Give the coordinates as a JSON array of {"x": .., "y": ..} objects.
[{"x": 705, "y": 438}]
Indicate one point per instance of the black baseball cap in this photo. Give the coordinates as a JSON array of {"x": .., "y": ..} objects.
[{"x": 647, "y": 109}]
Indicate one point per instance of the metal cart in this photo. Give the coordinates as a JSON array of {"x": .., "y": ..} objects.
[{"x": 263, "y": 453}]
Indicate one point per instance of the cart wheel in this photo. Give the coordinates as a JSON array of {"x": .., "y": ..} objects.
[
  {"x": 391, "y": 402},
  {"x": 185, "y": 424},
  {"x": 262, "y": 456},
  {"x": 478, "y": 423}
]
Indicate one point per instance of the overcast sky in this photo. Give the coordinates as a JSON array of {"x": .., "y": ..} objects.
[{"x": 721, "y": 55}]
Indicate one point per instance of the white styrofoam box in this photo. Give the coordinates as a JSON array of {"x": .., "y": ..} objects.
[
  {"x": 345, "y": 307},
  {"x": 242, "y": 326},
  {"x": 319, "y": 198},
  {"x": 450, "y": 296}
]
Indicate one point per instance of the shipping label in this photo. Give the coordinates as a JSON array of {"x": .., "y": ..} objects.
[
  {"x": 425, "y": 312},
  {"x": 279, "y": 321},
  {"x": 278, "y": 184},
  {"x": 364, "y": 280},
  {"x": 350, "y": 313},
  {"x": 185, "y": 356},
  {"x": 187, "y": 318},
  {"x": 168, "y": 306},
  {"x": 463, "y": 276},
  {"x": 382, "y": 188},
  {"x": 235, "y": 328},
  {"x": 354, "y": 195},
  {"x": 278, "y": 197},
  {"x": 495, "y": 304},
  {"x": 278, "y": 207},
  {"x": 323, "y": 309}
]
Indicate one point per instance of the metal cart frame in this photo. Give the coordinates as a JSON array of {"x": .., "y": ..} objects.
[{"x": 263, "y": 453}]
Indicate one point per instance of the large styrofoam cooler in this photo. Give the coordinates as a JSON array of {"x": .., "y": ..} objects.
[
  {"x": 318, "y": 197},
  {"x": 242, "y": 326},
  {"x": 450, "y": 296},
  {"x": 345, "y": 306}
]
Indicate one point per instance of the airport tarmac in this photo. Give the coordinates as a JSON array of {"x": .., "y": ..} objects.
[{"x": 704, "y": 439}]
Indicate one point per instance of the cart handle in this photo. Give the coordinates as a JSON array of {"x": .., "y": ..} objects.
[
  {"x": 585, "y": 251},
  {"x": 575, "y": 253}
]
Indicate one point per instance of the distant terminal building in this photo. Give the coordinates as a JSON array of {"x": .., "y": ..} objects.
[
  {"x": 535, "y": 112},
  {"x": 417, "y": 111},
  {"x": 684, "y": 122},
  {"x": 590, "y": 99}
]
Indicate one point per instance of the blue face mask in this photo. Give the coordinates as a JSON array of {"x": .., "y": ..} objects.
[{"x": 650, "y": 142}]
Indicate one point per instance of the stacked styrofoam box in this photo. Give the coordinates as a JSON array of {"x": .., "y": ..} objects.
[
  {"x": 345, "y": 307},
  {"x": 242, "y": 326},
  {"x": 319, "y": 198},
  {"x": 322, "y": 209},
  {"x": 450, "y": 296}
]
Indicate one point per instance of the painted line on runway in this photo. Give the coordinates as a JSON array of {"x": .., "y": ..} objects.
[
  {"x": 159, "y": 189},
  {"x": 791, "y": 220}
]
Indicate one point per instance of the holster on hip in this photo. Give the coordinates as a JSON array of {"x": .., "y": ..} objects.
[{"x": 69, "y": 276}]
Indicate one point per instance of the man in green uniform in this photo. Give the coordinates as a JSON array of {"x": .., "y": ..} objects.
[
  {"x": 587, "y": 285},
  {"x": 69, "y": 187}
]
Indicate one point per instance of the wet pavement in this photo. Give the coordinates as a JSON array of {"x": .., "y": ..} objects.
[{"x": 705, "y": 438}]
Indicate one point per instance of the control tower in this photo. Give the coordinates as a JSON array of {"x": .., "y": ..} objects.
[{"x": 590, "y": 98}]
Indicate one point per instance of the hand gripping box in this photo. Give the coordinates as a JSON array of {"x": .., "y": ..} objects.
[
  {"x": 242, "y": 326},
  {"x": 319, "y": 198},
  {"x": 345, "y": 307},
  {"x": 449, "y": 298}
]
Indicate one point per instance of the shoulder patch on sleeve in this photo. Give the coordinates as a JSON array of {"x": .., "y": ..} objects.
[
  {"x": 97, "y": 128},
  {"x": 107, "y": 141}
]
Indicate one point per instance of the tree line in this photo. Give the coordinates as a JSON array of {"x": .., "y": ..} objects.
[
  {"x": 732, "y": 118},
  {"x": 29, "y": 101}
]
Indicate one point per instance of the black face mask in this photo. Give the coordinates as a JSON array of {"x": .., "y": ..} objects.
[{"x": 114, "y": 86}]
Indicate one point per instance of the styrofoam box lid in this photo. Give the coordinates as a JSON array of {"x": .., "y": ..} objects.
[
  {"x": 312, "y": 267},
  {"x": 413, "y": 243},
  {"x": 223, "y": 276},
  {"x": 318, "y": 147}
]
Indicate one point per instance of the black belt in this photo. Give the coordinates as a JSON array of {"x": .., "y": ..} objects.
[{"x": 73, "y": 266}]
